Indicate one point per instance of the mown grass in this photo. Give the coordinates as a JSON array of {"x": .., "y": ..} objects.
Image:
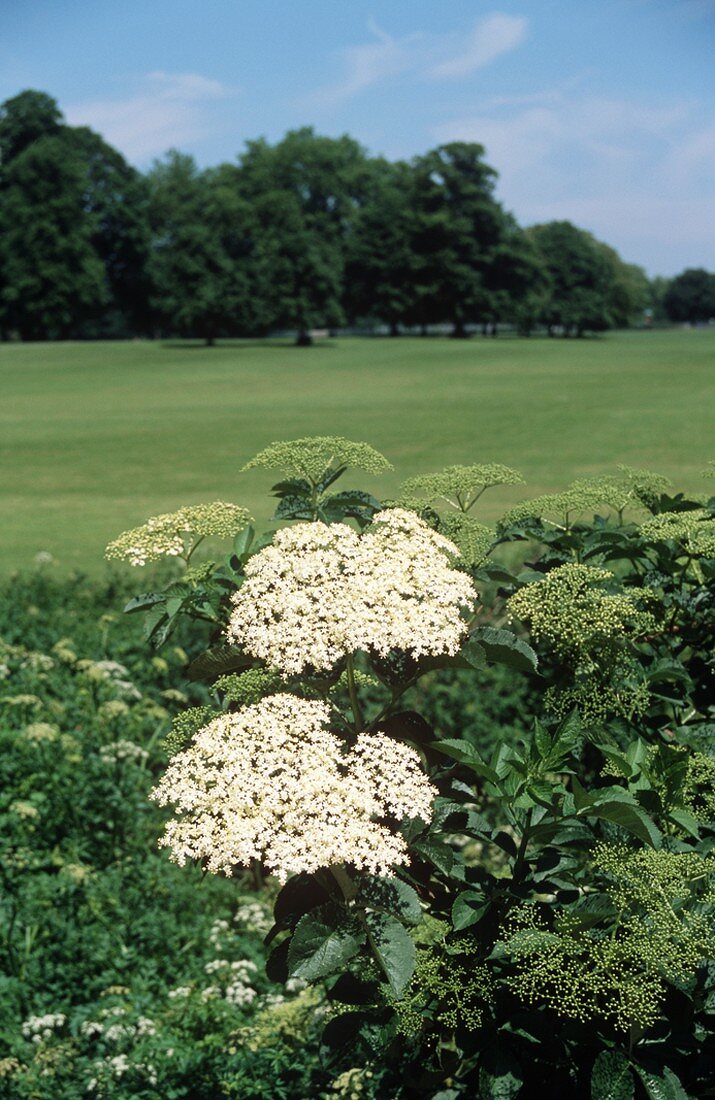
[{"x": 95, "y": 437}]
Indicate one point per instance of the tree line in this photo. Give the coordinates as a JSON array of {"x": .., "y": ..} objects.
[{"x": 308, "y": 232}]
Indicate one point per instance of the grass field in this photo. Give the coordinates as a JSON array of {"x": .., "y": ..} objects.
[{"x": 95, "y": 437}]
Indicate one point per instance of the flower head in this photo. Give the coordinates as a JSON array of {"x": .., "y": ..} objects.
[
  {"x": 272, "y": 783},
  {"x": 167, "y": 535},
  {"x": 319, "y": 592},
  {"x": 313, "y": 456}
]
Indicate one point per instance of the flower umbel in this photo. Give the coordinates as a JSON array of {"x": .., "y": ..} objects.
[
  {"x": 167, "y": 535},
  {"x": 272, "y": 783},
  {"x": 321, "y": 592},
  {"x": 313, "y": 456}
]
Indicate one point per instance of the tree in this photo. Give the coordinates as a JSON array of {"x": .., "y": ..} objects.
[
  {"x": 315, "y": 185},
  {"x": 691, "y": 296},
  {"x": 23, "y": 119},
  {"x": 579, "y": 275},
  {"x": 380, "y": 261},
  {"x": 201, "y": 244},
  {"x": 515, "y": 280},
  {"x": 52, "y": 279},
  {"x": 458, "y": 226},
  {"x": 116, "y": 201}
]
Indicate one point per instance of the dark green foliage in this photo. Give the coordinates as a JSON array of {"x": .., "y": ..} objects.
[
  {"x": 299, "y": 234},
  {"x": 691, "y": 296}
]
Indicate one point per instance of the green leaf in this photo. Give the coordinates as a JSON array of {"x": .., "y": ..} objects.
[
  {"x": 393, "y": 949},
  {"x": 665, "y": 1087},
  {"x": 466, "y": 754},
  {"x": 500, "y": 1075},
  {"x": 437, "y": 853},
  {"x": 144, "y": 601},
  {"x": 324, "y": 940},
  {"x": 467, "y": 908},
  {"x": 391, "y": 895},
  {"x": 504, "y": 648},
  {"x": 218, "y": 660},
  {"x": 611, "y": 1077},
  {"x": 686, "y": 821},
  {"x": 621, "y": 808},
  {"x": 242, "y": 541}
]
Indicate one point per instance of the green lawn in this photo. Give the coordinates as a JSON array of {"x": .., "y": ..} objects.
[{"x": 95, "y": 437}]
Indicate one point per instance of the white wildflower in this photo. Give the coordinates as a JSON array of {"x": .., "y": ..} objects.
[
  {"x": 270, "y": 782},
  {"x": 319, "y": 592},
  {"x": 169, "y": 534}
]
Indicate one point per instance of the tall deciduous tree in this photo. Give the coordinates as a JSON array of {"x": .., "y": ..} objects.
[
  {"x": 116, "y": 203},
  {"x": 52, "y": 279},
  {"x": 305, "y": 190},
  {"x": 579, "y": 275},
  {"x": 199, "y": 262},
  {"x": 459, "y": 224},
  {"x": 23, "y": 119},
  {"x": 691, "y": 296},
  {"x": 380, "y": 260}
]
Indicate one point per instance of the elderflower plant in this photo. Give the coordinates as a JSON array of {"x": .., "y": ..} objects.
[
  {"x": 313, "y": 456},
  {"x": 694, "y": 530},
  {"x": 461, "y": 486},
  {"x": 272, "y": 783},
  {"x": 319, "y": 593},
  {"x": 176, "y": 534}
]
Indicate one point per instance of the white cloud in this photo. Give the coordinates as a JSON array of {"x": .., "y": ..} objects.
[
  {"x": 366, "y": 65},
  {"x": 164, "y": 110},
  {"x": 638, "y": 175},
  {"x": 492, "y": 36}
]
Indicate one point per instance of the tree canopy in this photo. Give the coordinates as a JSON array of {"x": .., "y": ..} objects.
[{"x": 307, "y": 232}]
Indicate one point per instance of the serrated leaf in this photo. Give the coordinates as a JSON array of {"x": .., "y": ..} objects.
[
  {"x": 500, "y": 1076},
  {"x": 437, "y": 853},
  {"x": 504, "y": 648},
  {"x": 662, "y": 1087},
  {"x": 467, "y": 908},
  {"x": 324, "y": 940},
  {"x": 466, "y": 754},
  {"x": 621, "y": 808},
  {"x": 611, "y": 1077},
  {"x": 144, "y": 601},
  {"x": 218, "y": 660},
  {"x": 393, "y": 949},
  {"x": 391, "y": 895}
]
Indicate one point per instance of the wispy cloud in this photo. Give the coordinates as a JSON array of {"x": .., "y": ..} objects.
[
  {"x": 383, "y": 57},
  {"x": 492, "y": 36},
  {"x": 366, "y": 65},
  {"x": 163, "y": 110}
]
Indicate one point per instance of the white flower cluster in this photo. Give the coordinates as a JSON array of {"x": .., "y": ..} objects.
[
  {"x": 117, "y": 751},
  {"x": 166, "y": 535},
  {"x": 40, "y": 1028},
  {"x": 253, "y": 916},
  {"x": 271, "y": 783},
  {"x": 320, "y": 592}
]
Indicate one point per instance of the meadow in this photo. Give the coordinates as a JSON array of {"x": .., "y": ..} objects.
[{"x": 97, "y": 436}]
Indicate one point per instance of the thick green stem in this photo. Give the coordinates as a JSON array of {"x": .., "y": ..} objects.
[{"x": 347, "y": 887}]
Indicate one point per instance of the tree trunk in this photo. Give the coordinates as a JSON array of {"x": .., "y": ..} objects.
[
  {"x": 210, "y": 341},
  {"x": 394, "y": 328},
  {"x": 423, "y": 329},
  {"x": 303, "y": 339},
  {"x": 459, "y": 332}
]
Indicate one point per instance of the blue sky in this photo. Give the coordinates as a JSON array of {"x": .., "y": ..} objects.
[{"x": 601, "y": 111}]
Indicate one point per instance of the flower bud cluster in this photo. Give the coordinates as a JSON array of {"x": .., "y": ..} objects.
[
  {"x": 313, "y": 456},
  {"x": 168, "y": 535}
]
